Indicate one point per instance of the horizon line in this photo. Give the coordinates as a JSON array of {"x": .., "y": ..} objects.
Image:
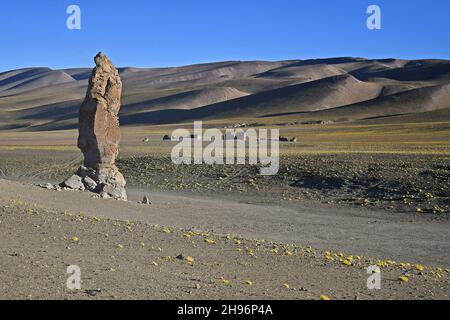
[{"x": 56, "y": 68}]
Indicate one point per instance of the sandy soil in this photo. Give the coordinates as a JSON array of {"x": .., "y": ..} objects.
[
  {"x": 123, "y": 259},
  {"x": 356, "y": 230}
]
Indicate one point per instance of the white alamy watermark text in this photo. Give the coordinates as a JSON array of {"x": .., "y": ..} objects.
[{"x": 234, "y": 146}]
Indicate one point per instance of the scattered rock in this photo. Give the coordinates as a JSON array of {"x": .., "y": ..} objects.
[
  {"x": 47, "y": 186},
  {"x": 89, "y": 183},
  {"x": 93, "y": 292},
  {"x": 236, "y": 125},
  {"x": 286, "y": 139},
  {"x": 322, "y": 122},
  {"x": 75, "y": 182},
  {"x": 105, "y": 195},
  {"x": 114, "y": 191},
  {"x": 84, "y": 171},
  {"x": 146, "y": 200}
]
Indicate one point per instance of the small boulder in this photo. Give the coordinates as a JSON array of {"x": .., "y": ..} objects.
[
  {"x": 180, "y": 257},
  {"x": 114, "y": 191},
  {"x": 75, "y": 182},
  {"x": 90, "y": 184},
  {"x": 84, "y": 171},
  {"x": 47, "y": 186},
  {"x": 93, "y": 292},
  {"x": 146, "y": 200},
  {"x": 104, "y": 195}
]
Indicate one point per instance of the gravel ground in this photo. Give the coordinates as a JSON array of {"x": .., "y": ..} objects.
[{"x": 134, "y": 260}]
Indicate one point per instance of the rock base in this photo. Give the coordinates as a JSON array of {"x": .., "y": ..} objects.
[{"x": 107, "y": 182}]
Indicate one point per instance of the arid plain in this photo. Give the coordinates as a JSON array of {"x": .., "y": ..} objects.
[{"x": 366, "y": 183}]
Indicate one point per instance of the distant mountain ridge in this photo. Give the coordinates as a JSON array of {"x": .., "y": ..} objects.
[{"x": 335, "y": 89}]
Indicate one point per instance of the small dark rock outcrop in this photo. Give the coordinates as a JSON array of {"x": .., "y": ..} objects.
[{"x": 146, "y": 200}]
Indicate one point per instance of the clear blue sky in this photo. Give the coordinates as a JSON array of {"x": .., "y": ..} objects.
[{"x": 152, "y": 33}]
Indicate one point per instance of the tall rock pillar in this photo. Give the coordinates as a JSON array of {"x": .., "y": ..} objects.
[{"x": 99, "y": 132}]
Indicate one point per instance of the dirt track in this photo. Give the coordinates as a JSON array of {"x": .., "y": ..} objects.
[
  {"x": 357, "y": 231},
  {"x": 135, "y": 260}
]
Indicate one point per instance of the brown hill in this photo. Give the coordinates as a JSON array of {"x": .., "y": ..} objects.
[
  {"x": 27, "y": 79},
  {"x": 345, "y": 89},
  {"x": 311, "y": 96},
  {"x": 414, "y": 101}
]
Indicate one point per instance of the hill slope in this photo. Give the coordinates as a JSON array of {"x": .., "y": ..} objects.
[{"x": 340, "y": 89}]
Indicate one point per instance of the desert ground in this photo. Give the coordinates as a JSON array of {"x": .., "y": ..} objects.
[
  {"x": 123, "y": 256},
  {"x": 366, "y": 183},
  {"x": 326, "y": 206}
]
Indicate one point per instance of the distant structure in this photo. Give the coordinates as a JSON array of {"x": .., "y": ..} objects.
[{"x": 99, "y": 134}]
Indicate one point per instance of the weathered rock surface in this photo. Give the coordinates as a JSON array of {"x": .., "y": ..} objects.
[
  {"x": 84, "y": 171},
  {"x": 89, "y": 183},
  {"x": 47, "y": 186},
  {"x": 74, "y": 182},
  {"x": 99, "y": 132}
]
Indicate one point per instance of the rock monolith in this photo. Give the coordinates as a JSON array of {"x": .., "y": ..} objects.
[{"x": 99, "y": 132}]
